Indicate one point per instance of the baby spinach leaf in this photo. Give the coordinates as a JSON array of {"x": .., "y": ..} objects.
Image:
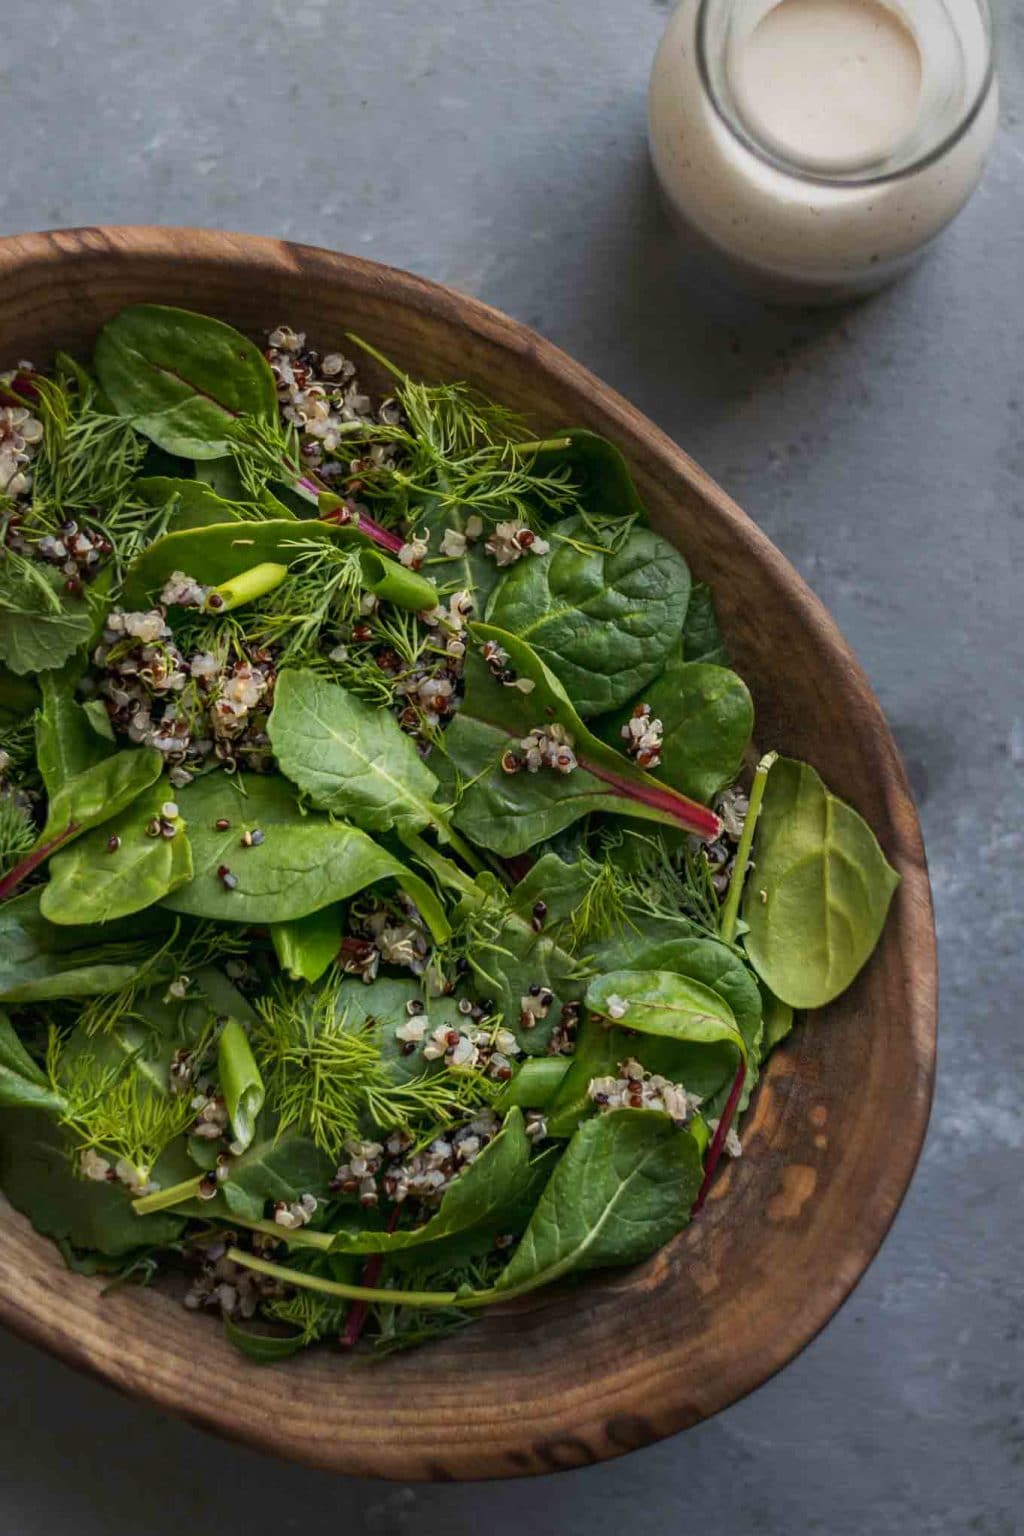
[
  {"x": 67, "y": 741},
  {"x": 603, "y": 622},
  {"x": 23, "y": 1085},
  {"x": 708, "y": 716},
  {"x": 40, "y": 961},
  {"x": 536, "y": 1083},
  {"x": 37, "y": 1176},
  {"x": 219, "y": 552},
  {"x": 183, "y": 379},
  {"x": 511, "y": 813},
  {"x": 817, "y": 898},
  {"x": 702, "y": 638},
  {"x": 480, "y": 1199},
  {"x": 195, "y": 504},
  {"x": 606, "y": 489},
  {"x": 92, "y": 883},
  {"x": 624, "y": 1187},
  {"x": 40, "y": 624},
  {"x": 349, "y": 757},
  {"x": 277, "y": 1166},
  {"x": 474, "y": 571},
  {"x": 305, "y": 861},
  {"x": 240, "y": 1081},
  {"x": 305, "y": 946},
  {"x": 101, "y": 792},
  {"x": 379, "y": 1008}
]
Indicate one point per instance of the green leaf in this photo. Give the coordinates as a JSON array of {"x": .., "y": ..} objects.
[
  {"x": 37, "y": 634},
  {"x": 102, "y": 792},
  {"x": 240, "y": 1081},
  {"x": 38, "y": 1178},
  {"x": 536, "y": 1083},
  {"x": 778, "y": 1021},
  {"x": 275, "y": 1167},
  {"x": 624, "y": 1187},
  {"x": 606, "y": 490},
  {"x": 306, "y": 946},
  {"x": 511, "y": 813},
  {"x": 22, "y": 1084},
  {"x": 305, "y": 861},
  {"x": 603, "y": 622},
  {"x": 819, "y": 892},
  {"x": 480, "y": 1199},
  {"x": 67, "y": 742},
  {"x": 183, "y": 379},
  {"x": 196, "y": 504},
  {"x": 19, "y": 696},
  {"x": 41, "y": 961},
  {"x": 90, "y": 883},
  {"x": 708, "y": 716},
  {"x": 662, "y": 1003},
  {"x": 219, "y": 552},
  {"x": 702, "y": 638},
  {"x": 262, "y": 1348},
  {"x": 349, "y": 757}
]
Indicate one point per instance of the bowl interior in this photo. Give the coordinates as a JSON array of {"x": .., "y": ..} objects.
[{"x": 576, "y": 1375}]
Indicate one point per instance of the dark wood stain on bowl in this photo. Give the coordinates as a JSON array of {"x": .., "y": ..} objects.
[{"x": 589, "y": 1373}]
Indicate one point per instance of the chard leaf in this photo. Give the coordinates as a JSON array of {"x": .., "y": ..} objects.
[
  {"x": 817, "y": 898},
  {"x": 511, "y": 813},
  {"x": 218, "y": 552},
  {"x": 349, "y": 757},
  {"x": 183, "y": 379},
  {"x": 624, "y": 1187},
  {"x": 305, "y": 946},
  {"x": 40, "y": 961},
  {"x": 37, "y": 632},
  {"x": 90, "y": 883},
  {"x": 23, "y": 1085},
  {"x": 708, "y": 716},
  {"x": 603, "y": 622},
  {"x": 37, "y": 1176},
  {"x": 481, "y": 1199},
  {"x": 305, "y": 862},
  {"x": 100, "y": 793},
  {"x": 702, "y": 638}
]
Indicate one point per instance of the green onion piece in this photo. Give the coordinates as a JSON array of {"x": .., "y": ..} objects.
[
  {"x": 246, "y": 587},
  {"x": 396, "y": 584},
  {"x": 731, "y": 908},
  {"x": 240, "y": 1081},
  {"x": 167, "y": 1199}
]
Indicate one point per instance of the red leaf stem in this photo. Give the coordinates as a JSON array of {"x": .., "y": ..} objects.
[
  {"x": 718, "y": 1139},
  {"x": 32, "y": 861}
]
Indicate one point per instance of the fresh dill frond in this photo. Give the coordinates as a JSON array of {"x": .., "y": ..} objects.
[
  {"x": 602, "y": 911},
  {"x": 319, "y": 598},
  {"x": 17, "y": 830},
  {"x": 313, "y": 1315},
  {"x": 115, "y": 1111},
  {"x": 667, "y": 881},
  {"x": 330, "y": 1080},
  {"x": 18, "y": 742},
  {"x": 87, "y": 458},
  {"x": 406, "y": 1327},
  {"x": 263, "y": 451}
]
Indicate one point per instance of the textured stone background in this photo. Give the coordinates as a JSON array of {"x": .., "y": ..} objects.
[{"x": 500, "y": 148}]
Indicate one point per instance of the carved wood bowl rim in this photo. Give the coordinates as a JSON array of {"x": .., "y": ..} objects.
[{"x": 578, "y": 1374}]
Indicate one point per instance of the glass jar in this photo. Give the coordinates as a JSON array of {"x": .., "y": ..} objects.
[{"x": 809, "y": 219}]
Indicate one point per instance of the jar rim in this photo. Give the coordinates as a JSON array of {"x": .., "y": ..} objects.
[{"x": 734, "y": 125}]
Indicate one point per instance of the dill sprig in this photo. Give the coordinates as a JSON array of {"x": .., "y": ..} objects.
[
  {"x": 206, "y": 944},
  {"x": 114, "y": 1110},
  {"x": 17, "y": 830},
  {"x": 18, "y": 742},
  {"x": 406, "y": 1327},
  {"x": 330, "y": 1080},
  {"x": 314, "y": 1316},
  {"x": 319, "y": 598},
  {"x": 667, "y": 881},
  {"x": 603, "y": 910}
]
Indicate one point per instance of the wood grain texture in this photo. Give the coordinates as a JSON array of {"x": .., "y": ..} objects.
[{"x": 562, "y": 1378}]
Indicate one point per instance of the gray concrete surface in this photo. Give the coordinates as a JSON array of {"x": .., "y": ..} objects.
[{"x": 500, "y": 148}]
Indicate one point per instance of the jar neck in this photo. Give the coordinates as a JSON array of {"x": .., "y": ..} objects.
[{"x": 952, "y": 38}]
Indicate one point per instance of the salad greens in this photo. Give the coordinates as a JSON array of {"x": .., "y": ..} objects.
[{"x": 394, "y": 917}]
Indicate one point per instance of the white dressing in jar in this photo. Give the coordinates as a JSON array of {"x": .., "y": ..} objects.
[{"x": 815, "y": 147}]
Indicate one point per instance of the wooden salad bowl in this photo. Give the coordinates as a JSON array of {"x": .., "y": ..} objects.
[{"x": 581, "y": 1373}]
